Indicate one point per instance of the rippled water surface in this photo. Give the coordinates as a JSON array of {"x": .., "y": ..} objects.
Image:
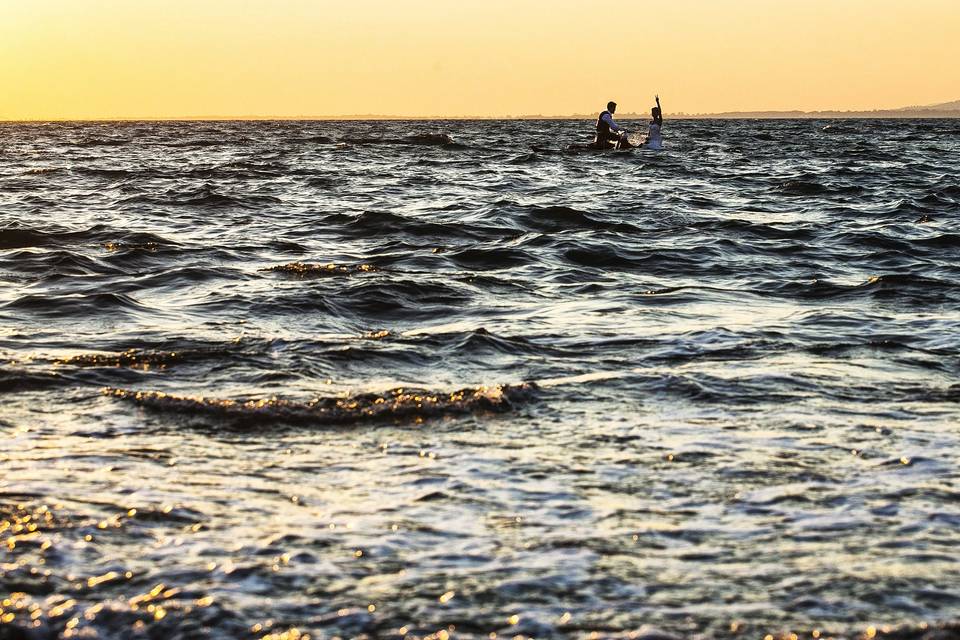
[{"x": 347, "y": 379}]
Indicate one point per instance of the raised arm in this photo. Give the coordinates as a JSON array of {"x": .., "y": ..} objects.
[{"x": 659, "y": 109}]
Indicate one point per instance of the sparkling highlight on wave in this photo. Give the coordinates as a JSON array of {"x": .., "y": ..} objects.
[{"x": 400, "y": 404}]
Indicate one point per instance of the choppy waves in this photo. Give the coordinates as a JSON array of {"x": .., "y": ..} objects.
[{"x": 381, "y": 380}]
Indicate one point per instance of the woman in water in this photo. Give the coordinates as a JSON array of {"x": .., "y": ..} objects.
[{"x": 654, "y": 138}]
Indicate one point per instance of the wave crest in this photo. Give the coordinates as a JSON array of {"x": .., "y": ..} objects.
[
  {"x": 310, "y": 270},
  {"x": 401, "y": 404},
  {"x": 130, "y": 358}
]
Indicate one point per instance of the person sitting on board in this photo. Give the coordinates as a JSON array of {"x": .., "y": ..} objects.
[
  {"x": 610, "y": 135},
  {"x": 654, "y": 137}
]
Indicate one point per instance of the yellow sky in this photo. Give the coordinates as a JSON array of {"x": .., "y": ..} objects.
[{"x": 170, "y": 58}]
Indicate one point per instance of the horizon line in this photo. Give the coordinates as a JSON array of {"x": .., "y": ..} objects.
[
  {"x": 903, "y": 112},
  {"x": 884, "y": 114}
]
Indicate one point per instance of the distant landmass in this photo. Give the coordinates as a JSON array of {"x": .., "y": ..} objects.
[{"x": 943, "y": 110}]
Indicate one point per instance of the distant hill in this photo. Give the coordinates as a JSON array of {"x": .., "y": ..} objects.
[
  {"x": 944, "y": 110},
  {"x": 946, "y": 106}
]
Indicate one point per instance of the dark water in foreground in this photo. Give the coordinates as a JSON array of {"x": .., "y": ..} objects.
[{"x": 253, "y": 380}]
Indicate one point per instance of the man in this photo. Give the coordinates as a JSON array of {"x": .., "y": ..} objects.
[{"x": 609, "y": 132}]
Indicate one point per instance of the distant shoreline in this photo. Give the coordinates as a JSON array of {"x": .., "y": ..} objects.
[
  {"x": 732, "y": 115},
  {"x": 947, "y": 110},
  {"x": 899, "y": 114}
]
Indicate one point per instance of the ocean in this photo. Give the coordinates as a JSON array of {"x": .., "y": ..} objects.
[{"x": 446, "y": 379}]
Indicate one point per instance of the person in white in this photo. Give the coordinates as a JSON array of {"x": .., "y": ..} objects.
[{"x": 654, "y": 137}]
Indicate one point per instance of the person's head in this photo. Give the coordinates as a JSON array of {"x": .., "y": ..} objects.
[
  {"x": 655, "y": 112},
  {"x": 612, "y": 106}
]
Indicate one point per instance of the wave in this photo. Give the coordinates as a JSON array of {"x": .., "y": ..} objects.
[
  {"x": 101, "y": 142},
  {"x": 315, "y": 139},
  {"x": 113, "y": 174},
  {"x": 527, "y": 158},
  {"x": 557, "y": 218},
  {"x": 19, "y": 237},
  {"x": 132, "y": 359},
  {"x": 206, "y": 142},
  {"x": 54, "y": 263},
  {"x": 423, "y": 139},
  {"x": 605, "y": 256},
  {"x": 903, "y": 286},
  {"x": 23, "y": 237},
  {"x": 241, "y": 169},
  {"x": 377, "y": 224},
  {"x": 206, "y": 196},
  {"x": 947, "y": 190},
  {"x": 145, "y": 353},
  {"x": 808, "y": 187},
  {"x": 942, "y": 241},
  {"x": 612, "y": 257},
  {"x": 476, "y": 341},
  {"x": 128, "y": 248},
  {"x": 739, "y": 227},
  {"x": 310, "y": 270},
  {"x": 492, "y": 258},
  {"x": 383, "y": 298},
  {"x": 322, "y": 182},
  {"x": 20, "y": 380},
  {"x": 401, "y": 404},
  {"x": 159, "y": 609},
  {"x": 73, "y": 305}
]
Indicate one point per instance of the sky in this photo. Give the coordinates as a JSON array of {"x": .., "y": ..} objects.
[{"x": 79, "y": 59}]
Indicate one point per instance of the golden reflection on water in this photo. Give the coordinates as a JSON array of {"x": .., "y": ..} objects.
[
  {"x": 131, "y": 358},
  {"x": 112, "y": 247},
  {"x": 395, "y": 403},
  {"x": 289, "y": 634},
  {"x": 307, "y": 270}
]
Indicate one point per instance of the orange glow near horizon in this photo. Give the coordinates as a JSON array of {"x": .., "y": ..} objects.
[{"x": 63, "y": 59}]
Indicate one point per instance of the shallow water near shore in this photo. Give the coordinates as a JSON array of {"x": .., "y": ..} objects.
[{"x": 365, "y": 379}]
